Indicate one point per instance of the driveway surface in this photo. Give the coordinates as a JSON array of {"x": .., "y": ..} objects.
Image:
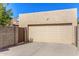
[{"x": 40, "y": 49}]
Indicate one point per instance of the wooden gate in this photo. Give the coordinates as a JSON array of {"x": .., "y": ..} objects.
[{"x": 21, "y": 35}]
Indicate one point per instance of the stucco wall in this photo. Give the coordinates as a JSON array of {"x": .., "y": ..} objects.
[
  {"x": 52, "y": 17},
  {"x": 49, "y": 17},
  {"x": 78, "y": 35}
]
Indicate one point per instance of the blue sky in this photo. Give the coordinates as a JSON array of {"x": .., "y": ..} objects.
[{"x": 19, "y": 8}]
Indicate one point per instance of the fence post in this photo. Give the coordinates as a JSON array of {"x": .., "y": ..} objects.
[
  {"x": 14, "y": 35},
  {"x": 76, "y": 36}
]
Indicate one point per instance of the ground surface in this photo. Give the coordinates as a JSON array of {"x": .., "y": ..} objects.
[{"x": 40, "y": 49}]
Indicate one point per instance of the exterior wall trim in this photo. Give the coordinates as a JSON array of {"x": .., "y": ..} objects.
[{"x": 60, "y": 24}]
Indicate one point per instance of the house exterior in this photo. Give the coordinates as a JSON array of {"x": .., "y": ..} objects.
[
  {"x": 14, "y": 22},
  {"x": 58, "y": 26}
]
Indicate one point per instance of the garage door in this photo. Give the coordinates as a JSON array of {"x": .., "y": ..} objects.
[{"x": 53, "y": 34}]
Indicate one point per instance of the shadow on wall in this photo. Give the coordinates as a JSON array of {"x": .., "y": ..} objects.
[
  {"x": 31, "y": 40},
  {"x": 4, "y": 49}
]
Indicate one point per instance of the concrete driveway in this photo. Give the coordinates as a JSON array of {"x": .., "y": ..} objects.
[{"x": 40, "y": 49}]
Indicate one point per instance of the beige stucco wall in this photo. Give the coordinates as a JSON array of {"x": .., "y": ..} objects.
[{"x": 49, "y": 17}]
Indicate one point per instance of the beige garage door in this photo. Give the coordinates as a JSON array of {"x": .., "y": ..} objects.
[{"x": 53, "y": 34}]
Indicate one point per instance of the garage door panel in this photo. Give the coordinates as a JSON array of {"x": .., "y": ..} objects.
[{"x": 55, "y": 34}]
